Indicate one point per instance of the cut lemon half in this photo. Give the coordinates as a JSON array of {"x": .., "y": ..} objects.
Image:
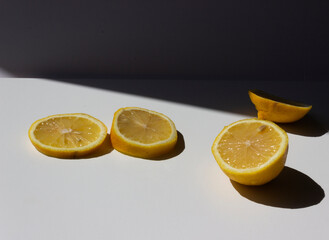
[
  {"x": 277, "y": 109},
  {"x": 251, "y": 151},
  {"x": 67, "y": 135},
  {"x": 142, "y": 133}
]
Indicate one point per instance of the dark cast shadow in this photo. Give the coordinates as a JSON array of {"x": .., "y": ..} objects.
[
  {"x": 105, "y": 148},
  {"x": 179, "y": 148},
  {"x": 308, "y": 126},
  {"x": 291, "y": 189}
]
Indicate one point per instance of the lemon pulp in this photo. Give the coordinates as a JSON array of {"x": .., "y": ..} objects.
[
  {"x": 249, "y": 146},
  {"x": 67, "y": 132},
  {"x": 143, "y": 126}
]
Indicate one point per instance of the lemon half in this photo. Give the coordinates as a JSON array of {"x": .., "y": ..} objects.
[{"x": 251, "y": 151}]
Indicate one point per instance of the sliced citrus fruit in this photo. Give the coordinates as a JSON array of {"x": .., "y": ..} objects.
[
  {"x": 251, "y": 151},
  {"x": 142, "y": 133},
  {"x": 67, "y": 135},
  {"x": 277, "y": 109}
]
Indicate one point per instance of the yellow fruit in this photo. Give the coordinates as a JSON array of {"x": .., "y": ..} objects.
[
  {"x": 251, "y": 151},
  {"x": 277, "y": 109},
  {"x": 67, "y": 135},
  {"x": 142, "y": 133}
]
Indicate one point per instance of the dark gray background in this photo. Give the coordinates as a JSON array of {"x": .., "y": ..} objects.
[
  {"x": 206, "y": 39},
  {"x": 206, "y": 53}
]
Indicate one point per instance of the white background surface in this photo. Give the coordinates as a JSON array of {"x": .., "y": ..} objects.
[{"x": 113, "y": 196}]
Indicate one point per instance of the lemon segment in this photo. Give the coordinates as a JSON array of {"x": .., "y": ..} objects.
[
  {"x": 251, "y": 151},
  {"x": 142, "y": 133},
  {"x": 67, "y": 135},
  {"x": 277, "y": 109}
]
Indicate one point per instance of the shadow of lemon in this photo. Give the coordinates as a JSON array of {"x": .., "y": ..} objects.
[
  {"x": 105, "y": 148},
  {"x": 309, "y": 126},
  {"x": 291, "y": 189},
  {"x": 178, "y": 149}
]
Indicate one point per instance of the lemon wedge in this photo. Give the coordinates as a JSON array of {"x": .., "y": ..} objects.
[{"x": 277, "y": 109}]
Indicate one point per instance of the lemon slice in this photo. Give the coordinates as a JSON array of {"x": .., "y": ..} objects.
[
  {"x": 142, "y": 133},
  {"x": 277, "y": 109},
  {"x": 67, "y": 135},
  {"x": 251, "y": 151}
]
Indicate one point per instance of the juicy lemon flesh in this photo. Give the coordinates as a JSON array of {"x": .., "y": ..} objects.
[
  {"x": 67, "y": 132},
  {"x": 143, "y": 127},
  {"x": 249, "y": 145}
]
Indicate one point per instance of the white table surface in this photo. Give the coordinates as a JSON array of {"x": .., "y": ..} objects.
[{"x": 114, "y": 196}]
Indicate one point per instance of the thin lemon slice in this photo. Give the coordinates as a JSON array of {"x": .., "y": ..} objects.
[
  {"x": 67, "y": 135},
  {"x": 142, "y": 133},
  {"x": 277, "y": 109},
  {"x": 251, "y": 151}
]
